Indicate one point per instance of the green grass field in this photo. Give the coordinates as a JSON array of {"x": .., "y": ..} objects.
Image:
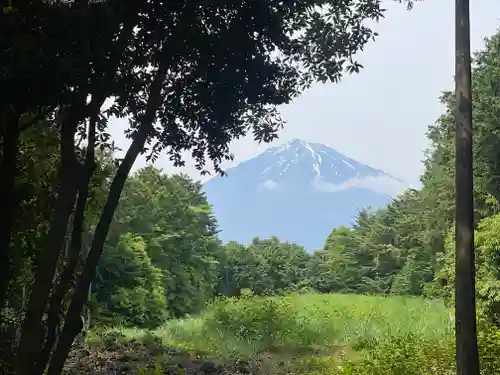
[
  {"x": 313, "y": 334},
  {"x": 304, "y": 323}
]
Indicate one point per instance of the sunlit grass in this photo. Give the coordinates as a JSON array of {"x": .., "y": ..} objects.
[{"x": 303, "y": 323}]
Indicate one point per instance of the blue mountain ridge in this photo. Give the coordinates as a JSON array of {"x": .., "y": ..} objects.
[{"x": 298, "y": 192}]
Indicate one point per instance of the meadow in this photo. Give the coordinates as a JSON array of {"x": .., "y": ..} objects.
[
  {"x": 337, "y": 334},
  {"x": 309, "y": 323}
]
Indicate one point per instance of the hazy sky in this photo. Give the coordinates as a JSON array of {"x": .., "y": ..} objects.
[{"x": 380, "y": 116}]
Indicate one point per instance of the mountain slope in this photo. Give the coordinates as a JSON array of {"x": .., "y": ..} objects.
[{"x": 298, "y": 192}]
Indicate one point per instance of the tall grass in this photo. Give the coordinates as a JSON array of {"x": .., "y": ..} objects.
[
  {"x": 307, "y": 323},
  {"x": 325, "y": 335}
]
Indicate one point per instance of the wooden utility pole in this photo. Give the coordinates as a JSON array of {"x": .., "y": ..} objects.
[{"x": 465, "y": 299}]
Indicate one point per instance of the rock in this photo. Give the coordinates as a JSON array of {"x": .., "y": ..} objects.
[
  {"x": 201, "y": 366},
  {"x": 124, "y": 358},
  {"x": 242, "y": 367},
  {"x": 173, "y": 351},
  {"x": 82, "y": 353},
  {"x": 172, "y": 369},
  {"x": 124, "y": 368}
]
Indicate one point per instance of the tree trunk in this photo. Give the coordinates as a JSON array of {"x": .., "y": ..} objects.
[
  {"x": 73, "y": 321},
  {"x": 72, "y": 324},
  {"x": 465, "y": 304},
  {"x": 67, "y": 276},
  {"x": 8, "y": 168},
  {"x": 47, "y": 258}
]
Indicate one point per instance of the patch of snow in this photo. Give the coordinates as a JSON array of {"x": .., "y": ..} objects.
[
  {"x": 286, "y": 168},
  {"x": 315, "y": 157},
  {"x": 346, "y": 163},
  {"x": 327, "y": 153},
  {"x": 316, "y": 168},
  {"x": 306, "y": 145},
  {"x": 268, "y": 168},
  {"x": 283, "y": 148}
]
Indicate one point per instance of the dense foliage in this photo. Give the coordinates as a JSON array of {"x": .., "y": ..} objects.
[
  {"x": 188, "y": 76},
  {"x": 164, "y": 222},
  {"x": 404, "y": 248},
  {"x": 82, "y": 244}
]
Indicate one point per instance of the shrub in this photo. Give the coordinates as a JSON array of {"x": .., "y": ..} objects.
[
  {"x": 409, "y": 355},
  {"x": 129, "y": 289},
  {"x": 417, "y": 355},
  {"x": 318, "y": 327},
  {"x": 157, "y": 370},
  {"x": 264, "y": 322},
  {"x": 489, "y": 350}
]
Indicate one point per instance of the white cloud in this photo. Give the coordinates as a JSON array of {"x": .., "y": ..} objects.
[
  {"x": 382, "y": 184},
  {"x": 268, "y": 184}
]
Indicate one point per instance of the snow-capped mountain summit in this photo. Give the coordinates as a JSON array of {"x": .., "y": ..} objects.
[
  {"x": 325, "y": 162},
  {"x": 298, "y": 191}
]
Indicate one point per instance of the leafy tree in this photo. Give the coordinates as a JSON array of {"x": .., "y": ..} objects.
[
  {"x": 342, "y": 265},
  {"x": 266, "y": 267},
  {"x": 234, "y": 265},
  {"x": 285, "y": 262},
  {"x": 487, "y": 269},
  {"x": 129, "y": 289},
  {"x": 172, "y": 215},
  {"x": 42, "y": 64}
]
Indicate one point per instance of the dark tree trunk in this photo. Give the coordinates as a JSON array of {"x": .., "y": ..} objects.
[
  {"x": 465, "y": 304},
  {"x": 8, "y": 168},
  {"x": 47, "y": 259},
  {"x": 73, "y": 321},
  {"x": 67, "y": 276}
]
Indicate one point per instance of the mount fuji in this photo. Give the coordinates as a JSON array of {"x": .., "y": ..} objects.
[{"x": 297, "y": 192}]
